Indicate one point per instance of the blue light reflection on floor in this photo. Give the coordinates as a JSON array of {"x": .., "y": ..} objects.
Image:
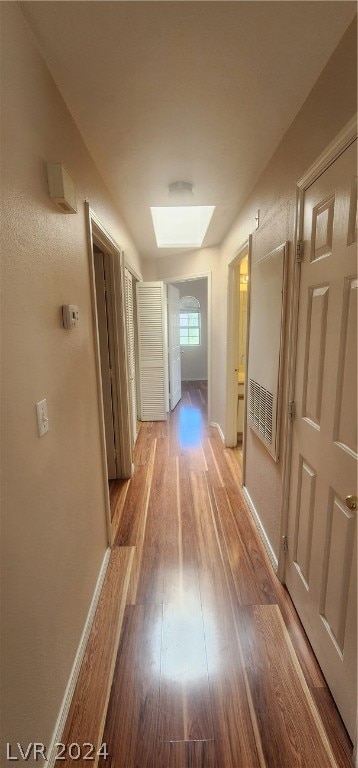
[{"x": 190, "y": 426}]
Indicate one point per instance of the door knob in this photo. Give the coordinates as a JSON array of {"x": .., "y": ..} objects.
[{"x": 351, "y": 502}]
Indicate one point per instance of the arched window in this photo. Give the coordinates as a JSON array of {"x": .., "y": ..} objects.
[{"x": 189, "y": 322}]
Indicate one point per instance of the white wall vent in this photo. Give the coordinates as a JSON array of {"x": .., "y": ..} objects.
[
  {"x": 261, "y": 409},
  {"x": 267, "y": 314}
]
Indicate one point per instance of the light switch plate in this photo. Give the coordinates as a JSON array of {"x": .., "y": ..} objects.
[
  {"x": 70, "y": 316},
  {"x": 42, "y": 419}
]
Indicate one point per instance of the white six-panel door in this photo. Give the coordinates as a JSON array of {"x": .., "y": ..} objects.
[
  {"x": 174, "y": 359},
  {"x": 321, "y": 570}
]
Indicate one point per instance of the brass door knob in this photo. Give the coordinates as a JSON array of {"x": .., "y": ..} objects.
[{"x": 351, "y": 502}]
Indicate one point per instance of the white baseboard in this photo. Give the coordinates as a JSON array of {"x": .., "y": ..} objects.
[
  {"x": 218, "y": 427},
  {"x": 260, "y": 528},
  {"x": 66, "y": 703}
]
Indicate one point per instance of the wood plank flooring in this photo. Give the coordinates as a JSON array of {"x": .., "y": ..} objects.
[
  {"x": 88, "y": 708},
  {"x": 213, "y": 668}
]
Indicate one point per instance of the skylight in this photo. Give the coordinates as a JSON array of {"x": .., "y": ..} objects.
[{"x": 181, "y": 226}]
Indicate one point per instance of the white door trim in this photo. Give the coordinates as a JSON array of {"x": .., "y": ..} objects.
[
  {"x": 231, "y": 384},
  {"x": 133, "y": 271},
  {"x": 96, "y": 231},
  {"x": 198, "y": 276},
  {"x": 342, "y": 141}
]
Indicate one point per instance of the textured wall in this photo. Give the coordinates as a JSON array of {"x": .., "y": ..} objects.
[{"x": 53, "y": 506}]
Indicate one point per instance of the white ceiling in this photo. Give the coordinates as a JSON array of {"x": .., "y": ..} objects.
[{"x": 184, "y": 91}]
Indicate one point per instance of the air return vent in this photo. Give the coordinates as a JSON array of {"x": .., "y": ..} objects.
[{"x": 261, "y": 409}]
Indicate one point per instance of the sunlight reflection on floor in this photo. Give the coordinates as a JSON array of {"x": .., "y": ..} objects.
[
  {"x": 190, "y": 426},
  {"x": 185, "y": 643}
]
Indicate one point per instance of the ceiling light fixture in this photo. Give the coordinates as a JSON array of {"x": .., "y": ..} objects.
[{"x": 180, "y": 188}]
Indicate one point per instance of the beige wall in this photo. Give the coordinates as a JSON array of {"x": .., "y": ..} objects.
[
  {"x": 53, "y": 509},
  {"x": 330, "y": 105},
  {"x": 194, "y": 360}
]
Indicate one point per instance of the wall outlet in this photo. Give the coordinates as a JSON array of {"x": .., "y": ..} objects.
[{"x": 42, "y": 420}]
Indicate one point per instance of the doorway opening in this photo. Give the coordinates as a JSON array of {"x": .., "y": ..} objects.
[
  {"x": 160, "y": 343},
  {"x": 237, "y": 353},
  {"x": 108, "y": 313},
  {"x": 240, "y": 369},
  {"x": 106, "y": 348},
  {"x": 194, "y": 334}
]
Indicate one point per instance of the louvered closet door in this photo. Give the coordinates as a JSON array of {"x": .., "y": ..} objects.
[
  {"x": 321, "y": 572},
  {"x": 152, "y": 351},
  {"x": 128, "y": 280}
]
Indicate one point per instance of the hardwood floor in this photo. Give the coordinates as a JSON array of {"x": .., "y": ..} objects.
[
  {"x": 117, "y": 496},
  {"x": 213, "y": 668}
]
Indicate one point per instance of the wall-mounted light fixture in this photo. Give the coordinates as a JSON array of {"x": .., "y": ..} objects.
[{"x": 61, "y": 187}]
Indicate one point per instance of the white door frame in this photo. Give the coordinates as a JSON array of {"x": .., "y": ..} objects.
[
  {"x": 198, "y": 276},
  {"x": 138, "y": 278},
  {"x": 173, "y": 309},
  {"x": 342, "y": 141},
  {"x": 97, "y": 233},
  {"x": 232, "y": 344}
]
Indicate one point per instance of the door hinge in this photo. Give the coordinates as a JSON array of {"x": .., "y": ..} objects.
[
  {"x": 291, "y": 410},
  {"x": 299, "y": 250},
  {"x": 285, "y": 543}
]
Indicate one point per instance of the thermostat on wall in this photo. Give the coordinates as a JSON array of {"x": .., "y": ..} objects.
[{"x": 70, "y": 316}]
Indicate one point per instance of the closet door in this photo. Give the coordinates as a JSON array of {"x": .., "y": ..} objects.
[
  {"x": 128, "y": 282},
  {"x": 152, "y": 351}
]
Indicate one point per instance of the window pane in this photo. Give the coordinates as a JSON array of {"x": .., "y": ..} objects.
[
  {"x": 190, "y": 328},
  {"x": 193, "y": 320},
  {"x": 183, "y": 337},
  {"x": 188, "y": 303}
]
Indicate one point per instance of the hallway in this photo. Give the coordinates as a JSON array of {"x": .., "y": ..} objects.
[{"x": 213, "y": 667}]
